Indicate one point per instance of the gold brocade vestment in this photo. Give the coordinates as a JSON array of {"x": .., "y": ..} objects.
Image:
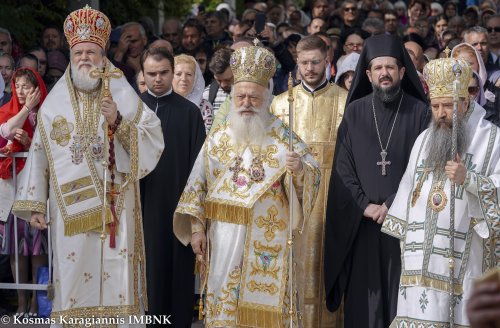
[{"x": 317, "y": 116}]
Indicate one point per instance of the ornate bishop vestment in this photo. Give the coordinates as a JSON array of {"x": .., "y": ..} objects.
[
  {"x": 240, "y": 196},
  {"x": 317, "y": 118},
  {"x": 420, "y": 217},
  {"x": 64, "y": 166}
]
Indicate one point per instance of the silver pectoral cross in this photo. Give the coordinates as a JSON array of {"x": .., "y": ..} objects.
[{"x": 383, "y": 163}]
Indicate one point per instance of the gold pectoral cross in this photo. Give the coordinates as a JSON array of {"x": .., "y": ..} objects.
[{"x": 106, "y": 74}]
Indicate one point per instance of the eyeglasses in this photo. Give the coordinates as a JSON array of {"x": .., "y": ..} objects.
[
  {"x": 166, "y": 35},
  {"x": 314, "y": 62},
  {"x": 491, "y": 29},
  {"x": 352, "y": 9},
  {"x": 473, "y": 90}
]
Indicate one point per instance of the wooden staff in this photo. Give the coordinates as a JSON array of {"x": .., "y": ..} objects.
[{"x": 291, "y": 310}]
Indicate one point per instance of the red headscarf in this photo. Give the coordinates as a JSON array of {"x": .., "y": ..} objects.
[{"x": 9, "y": 110}]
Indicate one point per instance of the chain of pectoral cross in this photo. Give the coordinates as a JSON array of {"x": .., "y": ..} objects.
[{"x": 383, "y": 153}]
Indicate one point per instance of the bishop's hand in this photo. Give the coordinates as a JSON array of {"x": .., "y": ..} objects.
[
  {"x": 38, "y": 221},
  {"x": 293, "y": 162},
  {"x": 109, "y": 110},
  {"x": 199, "y": 242},
  {"x": 456, "y": 171}
]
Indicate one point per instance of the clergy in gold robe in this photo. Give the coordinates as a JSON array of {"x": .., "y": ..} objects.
[
  {"x": 98, "y": 251},
  {"x": 318, "y": 109},
  {"x": 235, "y": 209}
]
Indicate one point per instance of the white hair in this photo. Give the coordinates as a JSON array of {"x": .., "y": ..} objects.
[
  {"x": 250, "y": 129},
  {"x": 81, "y": 77}
]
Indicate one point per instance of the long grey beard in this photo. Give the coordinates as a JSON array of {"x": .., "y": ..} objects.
[
  {"x": 81, "y": 78},
  {"x": 439, "y": 144},
  {"x": 388, "y": 94},
  {"x": 248, "y": 129}
]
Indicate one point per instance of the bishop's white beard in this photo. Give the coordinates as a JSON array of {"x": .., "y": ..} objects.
[
  {"x": 249, "y": 129},
  {"x": 81, "y": 76}
]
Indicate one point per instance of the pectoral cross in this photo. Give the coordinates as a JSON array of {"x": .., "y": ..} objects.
[
  {"x": 106, "y": 74},
  {"x": 383, "y": 163}
]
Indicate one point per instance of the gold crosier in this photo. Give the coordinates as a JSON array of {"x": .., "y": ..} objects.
[
  {"x": 292, "y": 313},
  {"x": 105, "y": 75}
]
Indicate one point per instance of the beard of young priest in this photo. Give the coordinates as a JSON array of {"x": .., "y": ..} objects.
[{"x": 386, "y": 111}]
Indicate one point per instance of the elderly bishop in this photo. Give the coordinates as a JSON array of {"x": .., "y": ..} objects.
[
  {"x": 235, "y": 207},
  {"x": 93, "y": 135},
  {"x": 420, "y": 214}
]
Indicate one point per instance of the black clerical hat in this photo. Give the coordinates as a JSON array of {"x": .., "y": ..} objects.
[{"x": 379, "y": 46}]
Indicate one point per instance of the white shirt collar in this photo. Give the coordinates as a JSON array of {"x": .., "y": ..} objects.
[{"x": 163, "y": 95}]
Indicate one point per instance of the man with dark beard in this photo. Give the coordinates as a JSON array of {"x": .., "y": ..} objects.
[
  {"x": 235, "y": 208},
  {"x": 385, "y": 114},
  {"x": 420, "y": 214},
  {"x": 98, "y": 260}
]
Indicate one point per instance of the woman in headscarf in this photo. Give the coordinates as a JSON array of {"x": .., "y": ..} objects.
[
  {"x": 472, "y": 56},
  {"x": 17, "y": 124},
  {"x": 485, "y": 98},
  {"x": 345, "y": 75},
  {"x": 189, "y": 83}
]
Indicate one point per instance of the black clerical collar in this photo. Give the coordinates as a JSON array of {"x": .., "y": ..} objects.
[
  {"x": 310, "y": 90},
  {"x": 163, "y": 95}
]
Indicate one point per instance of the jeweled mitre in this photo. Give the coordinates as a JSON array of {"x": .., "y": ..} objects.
[
  {"x": 87, "y": 25},
  {"x": 440, "y": 75},
  {"x": 253, "y": 64}
]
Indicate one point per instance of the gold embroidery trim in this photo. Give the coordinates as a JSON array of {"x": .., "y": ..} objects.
[
  {"x": 252, "y": 316},
  {"x": 228, "y": 213},
  {"x": 261, "y": 287},
  {"x": 417, "y": 280},
  {"x": 79, "y": 196},
  {"x": 87, "y": 222},
  {"x": 76, "y": 184},
  {"x": 123, "y": 134},
  {"x": 97, "y": 311},
  {"x": 29, "y": 205}
]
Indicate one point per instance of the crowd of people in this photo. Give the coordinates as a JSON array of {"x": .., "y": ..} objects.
[{"x": 164, "y": 154}]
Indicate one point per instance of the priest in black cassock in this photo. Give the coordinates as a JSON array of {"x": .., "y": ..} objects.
[
  {"x": 386, "y": 111},
  {"x": 169, "y": 264}
]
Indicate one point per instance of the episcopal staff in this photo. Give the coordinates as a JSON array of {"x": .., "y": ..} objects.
[
  {"x": 420, "y": 215},
  {"x": 64, "y": 166},
  {"x": 319, "y": 106},
  {"x": 237, "y": 197}
]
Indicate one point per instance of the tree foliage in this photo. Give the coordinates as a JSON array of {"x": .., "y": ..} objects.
[{"x": 26, "y": 19}]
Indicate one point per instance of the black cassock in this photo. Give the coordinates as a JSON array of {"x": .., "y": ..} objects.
[
  {"x": 169, "y": 264},
  {"x": 362, "y": 264}
]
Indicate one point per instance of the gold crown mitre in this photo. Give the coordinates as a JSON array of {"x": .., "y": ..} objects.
[
  {"x": 253, "y": 64},
  {"x": 87, "y": 25},
  {"x": 441, "y": 73}
]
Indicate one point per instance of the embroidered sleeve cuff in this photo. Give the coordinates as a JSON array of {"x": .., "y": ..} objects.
[
  {"x": 394, "y": 227},
  {"x": 123, "y": 134},
  {"x": 196, "y": 226},
  {"x": 24, "y": 208}
]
